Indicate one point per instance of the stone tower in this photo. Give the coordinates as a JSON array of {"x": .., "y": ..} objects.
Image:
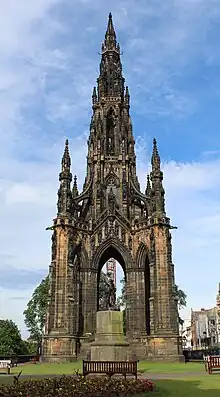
[{"x": 111, "y": 217}]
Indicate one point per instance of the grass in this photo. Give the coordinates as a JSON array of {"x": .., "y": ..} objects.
[
  {"x": 207, "y": 387},
  {"x": 172, "y": 368},
  {"x": 143, "y": 366}
]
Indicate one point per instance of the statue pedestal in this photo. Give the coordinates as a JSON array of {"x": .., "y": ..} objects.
[{"x": 109, "y": 344}]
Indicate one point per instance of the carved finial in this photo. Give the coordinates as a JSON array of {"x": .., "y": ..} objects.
[
  {"x": 75, "y": 191},
  {"x": 110, "y": 28},
  {"x": 155, "y": 160},
  {"x": 110, "y": 36},
  {"x": 65, "y": 177},
  {"x": 94, "y": 96},
  {"x": 66, "y": 162},
  {"x": 127, "y": 95},
  {"x": 148, "y": 187}
]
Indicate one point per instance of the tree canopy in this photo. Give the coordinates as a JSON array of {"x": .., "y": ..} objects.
[
  {"x": 11, "y": 342},
  {"x": 35, "y": 313}
]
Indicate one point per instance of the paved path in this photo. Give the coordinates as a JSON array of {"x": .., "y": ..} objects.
[{"x": 145, "y": 375}]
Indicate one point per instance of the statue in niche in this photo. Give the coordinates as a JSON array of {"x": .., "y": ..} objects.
[
  {"x": 110, "y": 132},
  {"x": 109, "y": 299},
  {"x": 112, "y": 203}
]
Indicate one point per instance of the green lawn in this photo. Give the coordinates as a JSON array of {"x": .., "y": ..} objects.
[
  {"x": 166, "y": 368},
  {"x": 143, "y": 366},
  {"x": 207, "y": 387}
]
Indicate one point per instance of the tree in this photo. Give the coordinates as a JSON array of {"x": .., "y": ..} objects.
[
  {"x": 35, "y": 313},
  {"x": 11, "y": 342},
  {"x": 182, "y": 301},
  {"x": 121, "y": 300},
  {"x": 182, "y": 297}
]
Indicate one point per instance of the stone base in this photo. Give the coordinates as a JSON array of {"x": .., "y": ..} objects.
[
  {"x": 109, "y": 344},
  {"x": 158, "y": 348},
  {"x": 58, "y": 348}
]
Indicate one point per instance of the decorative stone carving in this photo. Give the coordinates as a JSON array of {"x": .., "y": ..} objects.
[
  {"x": 152, "y": 246},
  {"x": 54, "y": 245},
  {"x": 123, "y": 236}
]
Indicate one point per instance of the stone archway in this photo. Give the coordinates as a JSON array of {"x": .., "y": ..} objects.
[
  {"x": 110, "y": 252},
  {"x": 90, "y": 277},
  {"x": 143, "y": 262}
]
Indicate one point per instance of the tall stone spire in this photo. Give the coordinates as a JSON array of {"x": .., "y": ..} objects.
[
  {"x": 156, "y": 176},
  {"x": 110, "y": 81},
  {"x": 64, "y": 203},
  {"x": 110, "y": 42}
]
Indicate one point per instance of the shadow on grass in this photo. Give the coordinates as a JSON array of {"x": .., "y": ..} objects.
[{"x": 193, "y": 388}]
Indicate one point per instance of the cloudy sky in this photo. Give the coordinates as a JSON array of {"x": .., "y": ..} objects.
[{"x": 49, "y": 62}]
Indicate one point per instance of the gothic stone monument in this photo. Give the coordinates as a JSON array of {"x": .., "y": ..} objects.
[{"x": 111, "y": 217}]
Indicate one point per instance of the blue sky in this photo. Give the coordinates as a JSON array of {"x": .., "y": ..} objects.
[{"x": 49, "y": 62}]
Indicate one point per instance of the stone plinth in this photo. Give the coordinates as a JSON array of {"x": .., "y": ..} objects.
[
  {"x": 58, "y": 348},
  {"x": 109, "y": 344}
]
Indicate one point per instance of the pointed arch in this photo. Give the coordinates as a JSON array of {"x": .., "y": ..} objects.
[
  {"x": 112, "y": 177},
  {"x": 142, "y": 255},
  {"x": 112, "y": 248},
  {"x": 110, "y": 131}
]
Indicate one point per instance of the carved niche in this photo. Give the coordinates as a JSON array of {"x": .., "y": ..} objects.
[
  {"x": 112, "y": 191},
  {"x": 110, "y": 132}
]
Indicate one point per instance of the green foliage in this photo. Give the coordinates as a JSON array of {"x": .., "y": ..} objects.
[
  {"x": 121, "y": 300},
  {"x": 35, "y": 313},
  {"x": 182, "y": 297},
  {"x": 10, "y": 339},
  {"x": 182, "y": 302},
  {"x": 77, "y": 386},
  {"x": 31, "y": 346}
]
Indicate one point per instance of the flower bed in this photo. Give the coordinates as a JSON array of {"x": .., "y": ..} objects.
[{"x": 69, "y": 386}]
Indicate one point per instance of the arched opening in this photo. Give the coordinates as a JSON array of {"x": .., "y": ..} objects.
[
  {"x": 110, "y": 132},
  {"x": 147, "y": 293},
  {"x": 112, "y": 269},
  {"x": 143, "y": 262}
]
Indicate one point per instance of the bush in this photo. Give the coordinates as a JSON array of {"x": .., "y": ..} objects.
[{"x": 69, "y": 386}]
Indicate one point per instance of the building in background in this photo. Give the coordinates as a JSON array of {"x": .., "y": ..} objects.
[
  {"x": 111, "y": 269},
  {"x": 186, "y": 334},
  {"x": 204, "y": 328}
]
